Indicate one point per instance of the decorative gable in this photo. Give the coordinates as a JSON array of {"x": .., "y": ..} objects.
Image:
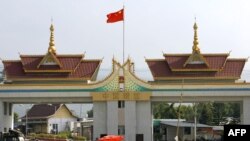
[
  {"x": 195, "y": 59},
  {"x": 50, "y": 59}
]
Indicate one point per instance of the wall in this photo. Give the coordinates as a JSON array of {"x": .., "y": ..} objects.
[
  {"x": 130, "y": 120},
  {"x": 112, "y": 117},
  {"x": 245, "y": 111},
  {"x": 63, "y": 112},
  {"x": 171, "y": 133},
  {"x": 63, "y": 123},
  {"x": 144, "y": 119},
  {"x": 6, "y": 122},
  {"x": 100, "y": 118}
]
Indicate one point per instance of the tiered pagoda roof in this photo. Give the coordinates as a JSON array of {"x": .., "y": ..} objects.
[
  {"x": 51, "y": 66},
  {"x": 196, "y": 66}
]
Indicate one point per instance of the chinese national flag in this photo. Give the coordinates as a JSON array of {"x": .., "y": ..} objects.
[{"x": 115, "y": 17}]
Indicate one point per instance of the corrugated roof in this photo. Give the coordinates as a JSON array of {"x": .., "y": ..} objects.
[{"x": 183, "y": 124}]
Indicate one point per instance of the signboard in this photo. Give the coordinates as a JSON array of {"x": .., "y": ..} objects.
[{"x": 126, "y": 96}]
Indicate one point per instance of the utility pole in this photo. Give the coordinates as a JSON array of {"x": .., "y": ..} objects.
[
  {"x": 26, "y": 123},
  {"x": 195, "y": 121}
]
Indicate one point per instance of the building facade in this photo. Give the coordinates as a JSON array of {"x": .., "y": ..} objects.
[
  {"x": 52, "y": 118},
  {"x": 122, "y": 102}
]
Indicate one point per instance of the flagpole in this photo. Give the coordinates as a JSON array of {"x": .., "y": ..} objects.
[{"x": 123, "y": 48}]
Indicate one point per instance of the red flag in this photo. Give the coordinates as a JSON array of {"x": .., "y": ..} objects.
[{"x": 115, "y": 17}]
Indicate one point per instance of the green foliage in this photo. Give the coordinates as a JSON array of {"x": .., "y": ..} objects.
[
  {"x": 79, "y": 138},
  {"x": 31, "y": 136},
  {"x": 186, "y": 112},
  {"x": 16, "y": 116},
  {"x": 90, "y": 113},
  {"x": 207, "y": 113},
  {"x": 65, "y": 133},
  {"x": 222, "y": 110},
  {"x": 62, "y": 136},
  {"x": 157, "y": 136},
  {"x": 164, "y": 111}
]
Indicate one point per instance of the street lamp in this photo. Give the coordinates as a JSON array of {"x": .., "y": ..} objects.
[{"x": 26, "y": 123}]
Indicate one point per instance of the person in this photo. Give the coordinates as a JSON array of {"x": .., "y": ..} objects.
[{"x": 96, "y": 139}]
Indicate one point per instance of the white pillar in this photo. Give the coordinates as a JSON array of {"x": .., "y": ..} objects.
[
  {"x": 100, "y": 119},
  {"x": 130, "y": 120},
  {"x": 245, "y": 111},
  {"x": 6, "y": 116},
  {"x": 144, "y": 119},
  {"x": 112, "y": 117}
]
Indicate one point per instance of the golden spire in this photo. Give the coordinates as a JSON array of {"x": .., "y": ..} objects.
[
  {"x": 196, "y": 42},
  {"x": 52, "y": 48}
]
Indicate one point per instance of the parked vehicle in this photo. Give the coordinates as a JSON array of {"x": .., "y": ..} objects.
[{"x": 12, "y": 135}]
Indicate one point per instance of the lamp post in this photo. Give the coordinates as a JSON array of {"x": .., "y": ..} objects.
[
  {"x": 26, "y": 123},
  {"x": 195, "y": 121}
]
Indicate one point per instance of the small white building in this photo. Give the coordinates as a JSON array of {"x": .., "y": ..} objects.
[
  {"x": 44, "y": 118},
  {"x": 186, "y": 130}
]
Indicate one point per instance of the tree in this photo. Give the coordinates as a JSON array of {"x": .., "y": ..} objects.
[
  {"x": 187, "y": 112},
  {"x": 16, "y": 116},
  {"x": 223, "y": 110},
  {"x": 163, "y": 110},
  {"x": 234, "y": 110},
  {"x": 220, "y": 110},
  {"x": 90, "y": 113},
  {"x": 205, "y": 113}
]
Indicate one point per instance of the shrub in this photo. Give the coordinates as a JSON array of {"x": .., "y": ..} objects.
[
  {"x": 79, "y": 138},
  {"x": 65, "y": 133},
  {"x": 63, "y": 136}
]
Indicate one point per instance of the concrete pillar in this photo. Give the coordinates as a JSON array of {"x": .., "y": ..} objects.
[
  {"x": 130, "y": 120},
  {"x": 100, "y": 119},
  {"x": 144, "y": 119},
  {"x": 6, "y": 116},
  {"x": 112, "y": 117},
  {"x": 245, "y": 111}
]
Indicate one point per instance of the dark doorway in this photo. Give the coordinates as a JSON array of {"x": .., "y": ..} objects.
[
  {"x": 139, "y": 137},
  {"x": 102, "y": 135}
]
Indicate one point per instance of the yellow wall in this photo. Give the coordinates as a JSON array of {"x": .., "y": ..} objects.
[{"x": 63, "y": 112}]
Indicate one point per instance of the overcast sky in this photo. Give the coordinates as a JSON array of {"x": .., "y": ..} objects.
[{"x": 151, "y": 27}]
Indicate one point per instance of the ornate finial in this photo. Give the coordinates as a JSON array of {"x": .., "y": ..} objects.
[
  {"x": 52, "y": 48},
  {"x": 196, "y": 42}
]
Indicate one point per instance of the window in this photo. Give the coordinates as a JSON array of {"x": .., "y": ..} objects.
[
  {"x": 187, "y": 130},
  {"x": 55, "y": 128},
  {"x": 121, "y": 104},
  {"x": 121, "y": 130},
  {"x": 5, "y": 108},
  {"x": 10, "y": 109}
]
